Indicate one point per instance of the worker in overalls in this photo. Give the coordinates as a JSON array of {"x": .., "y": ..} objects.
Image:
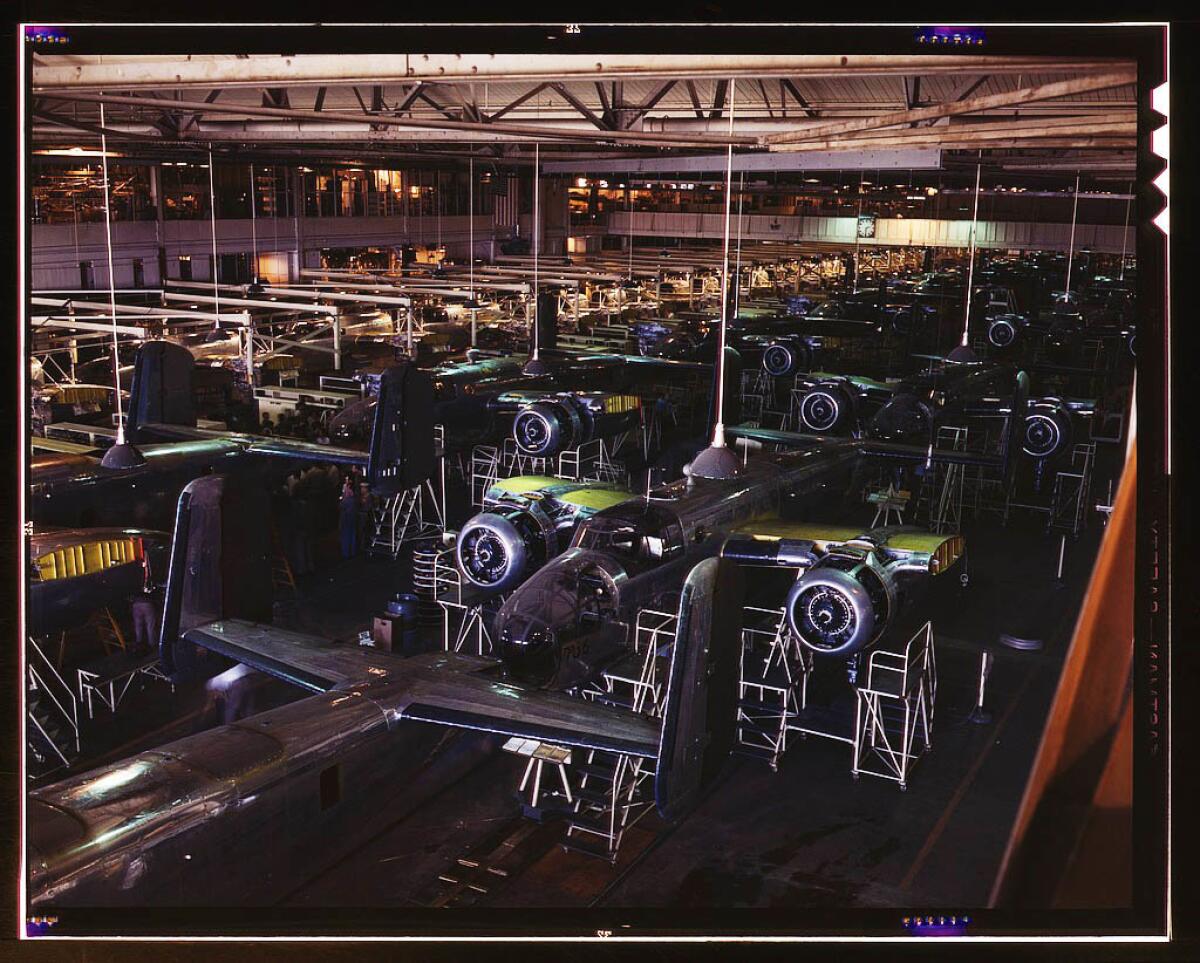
[{"x": 144, "y": 609}]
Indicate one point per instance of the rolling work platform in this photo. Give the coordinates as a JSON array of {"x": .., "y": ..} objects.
[
  {"x": 772, "y": 686},
  {"x": 1066, "y": 509},
  {"x": 109, "y": 680},
  {"x": 895, "y": 705},
  {"x": 892, "y": 699},
  {"x": 615, "y": 790},
  {"x": 467, "y": 612}
]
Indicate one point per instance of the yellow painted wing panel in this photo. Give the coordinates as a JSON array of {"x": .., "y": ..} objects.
[
  {"x": 597, "y": 498},
  {"x": 772, "y": 528},
  {"x": 523, "y": 484}
]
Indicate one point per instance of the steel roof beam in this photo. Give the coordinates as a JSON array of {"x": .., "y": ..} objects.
[
  {"x": 540, "y": 133},
  {"x": 1064, "y": 88},
  {"x": 320, "y": 69}
]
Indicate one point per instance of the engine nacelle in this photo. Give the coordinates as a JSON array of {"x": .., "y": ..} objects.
[
  {"x": 545, "y": 428},
  {"x": 840, "y": 606},
  {"x": 828, "y": 408},
  {"x": 552, "y": 425},
  {"x": 1003, "y": 330},
  {"x": 911, "y": 318},
  {"x": 1047, "y": 428},
  {"x": 787, "y": 356},
  {"x": 496, "y": 549}
]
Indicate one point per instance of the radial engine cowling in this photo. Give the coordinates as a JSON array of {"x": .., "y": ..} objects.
[
  {"x": 1002, "y": 330},
  {"x": 827, "y": 409},
  {"x": 546, "y": 428},
  {"x": 498, "y": 548},
  {"x": 840, "y": 607},
  {"x": 1047, "y": 428},
  {"x": 784, "y": 357}
]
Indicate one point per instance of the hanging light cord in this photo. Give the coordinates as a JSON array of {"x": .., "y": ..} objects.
[
  {"x": 971, "y": 261},
  {"x": 737, "y": 273},
  {"x": 718, "y": 440},
  {"x": 471, "y": 240},
  {"x": 536, "y": 164},
  {"x": 212, "y": 211},
  {"x": 629, "y": 218},
  {"x": 1125, "y": 231},
  {"x": 253, "y": 227},
  {"x": 857, "y": 224},
  {"x": 1071, "y": 246},
  {"x": 112, "y": 284}
]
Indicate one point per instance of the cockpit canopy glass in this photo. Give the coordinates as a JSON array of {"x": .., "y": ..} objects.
[{"x": 636, "y": 532}]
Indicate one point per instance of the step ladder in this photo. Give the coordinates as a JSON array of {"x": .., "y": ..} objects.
[
  {"x": 636, "y": 682},
  {"x": 772, "y": 684},
  {"x": 467, "y": 613},
  {"x": 613, "y": 790},
  {"x": 593, "y": 461},
  {"x": 894, "y": 707},
  {"x": 941, "y": 491},
  {"x": 1072, "y": 491},
  {"x": 405, "y": 517},
  {"x": 485, "y": 471},
  {"x": 755, "y": 390},
  {"x": 108, "y": 631},
  {"x": 52, "y": 735},
  {"x": 612, "y": 793}
]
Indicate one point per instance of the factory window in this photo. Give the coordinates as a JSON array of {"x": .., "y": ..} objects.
[
  {"x": 331, "y": 786},
  {"x": 185, "y": 268},
  {"x": 184, "y": 190},
  {"x": 139, "y": 273},
  {"x": 74, "y": 193},
  {"x": 87, "y": 275}
]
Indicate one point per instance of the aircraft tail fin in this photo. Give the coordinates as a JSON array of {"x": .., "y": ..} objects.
[
  {"x": 402, "y": 445},
  {"x": 161, "y": 392},
  {"x": 1014, "y": 430},
  {"x": 700, "y": 718},
  {"x": 220, "y": 564}
]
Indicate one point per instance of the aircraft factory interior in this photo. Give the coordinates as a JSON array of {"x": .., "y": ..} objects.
[{"x": 554, "y": 481}]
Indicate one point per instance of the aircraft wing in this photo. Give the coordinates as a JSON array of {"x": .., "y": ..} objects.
[
  {"x": 777, "y": 436},
  {"x": 265, "y": 445},
  {"x": 870, "y": 446},
  {"x": 666, "y": 364},
  {"x": 445, "y": 688}
]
